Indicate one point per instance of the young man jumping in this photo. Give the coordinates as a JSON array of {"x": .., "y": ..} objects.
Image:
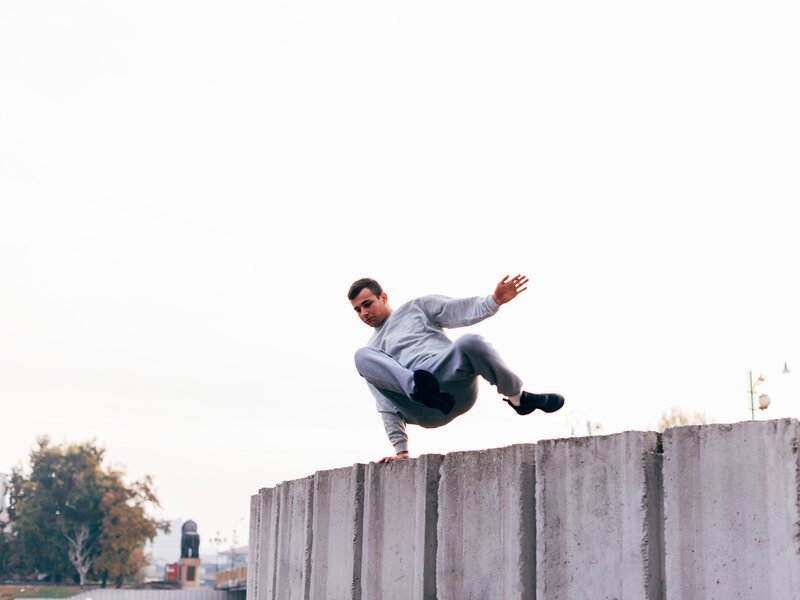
[{"x": 418, "y": 375}]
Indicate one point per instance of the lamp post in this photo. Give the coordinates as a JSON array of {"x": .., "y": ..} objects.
[
  {"x": 763, "y": 399},
  {"x": 217, "y": 541}
]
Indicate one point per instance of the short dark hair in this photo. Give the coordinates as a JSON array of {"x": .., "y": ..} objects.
[{"x": 365, "y": 282}]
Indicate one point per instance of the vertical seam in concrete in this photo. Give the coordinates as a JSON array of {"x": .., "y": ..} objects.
[
  {"x": 528, "y": 524},
  {"x": 358, "y": 530},
  {"x": 432, "y": 476},
  {"x": 372, "y": 504},
  {"x": 309, "y": 542},
  {"x": 654, "y": 558}
]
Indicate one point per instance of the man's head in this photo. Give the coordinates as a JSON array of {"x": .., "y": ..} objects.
[{"x": 369, "y": 301}]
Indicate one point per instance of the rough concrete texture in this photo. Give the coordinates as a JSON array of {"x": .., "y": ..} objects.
[
  {"x": 487, "y": 525},
  {"x": 580, "y": 518},
  {"x": 338, "y": 511},
  {"x": 293, "y": 536},
  {"x": 399, "y": 537},
  {"x": 598, "y": 518},
  {"x": 732, "y": 520},
  {"x": 254, "y": 549},
  {"x": 266, "y": 547}
]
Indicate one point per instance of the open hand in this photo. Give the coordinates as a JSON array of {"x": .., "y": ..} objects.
[{"x": 507, "y": 289}]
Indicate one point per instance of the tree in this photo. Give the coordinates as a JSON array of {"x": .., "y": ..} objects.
[
  {"x": 12, "y": 555},
  {"x": 675, "y": 417},
  {"x": 56, "y": 508},
  {"x": 4, "y": 552},
  {"x": 126, "y": 529},
  {"x": 68, "y": 507}
]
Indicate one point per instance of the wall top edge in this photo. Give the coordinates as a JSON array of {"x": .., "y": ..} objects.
[
  {"x": 775, "y": 424},
  {"x": 784, "y": 424}
]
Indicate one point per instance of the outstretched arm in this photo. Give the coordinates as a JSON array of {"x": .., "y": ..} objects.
[{"x": 507, "y": 289}]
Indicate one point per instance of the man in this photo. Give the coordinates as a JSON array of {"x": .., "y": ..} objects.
[{"x": 418, "y": 375}]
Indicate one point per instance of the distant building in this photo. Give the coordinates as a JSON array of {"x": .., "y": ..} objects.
[
  {"x": 233, "y": 558},
  {"x": 232, "y": 572}
]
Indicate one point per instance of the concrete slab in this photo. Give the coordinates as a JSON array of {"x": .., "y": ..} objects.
[
  {"x": 399, "y": 539},
  {"x": 487, "y": 525},
  {"x": 253, "y": 549},
  {"x": 293, "y": 537},
  {"x": 599, "y": 518},
  {"x": 338, "y": 512},
  {"x": 267, "y": 546},
  {"x": 732, "y": 511}
]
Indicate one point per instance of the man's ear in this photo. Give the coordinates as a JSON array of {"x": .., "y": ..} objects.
[{"x": 384, "y": 297}]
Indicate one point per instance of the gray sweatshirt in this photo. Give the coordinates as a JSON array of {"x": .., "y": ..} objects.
[{"x": 413, "y": 333}]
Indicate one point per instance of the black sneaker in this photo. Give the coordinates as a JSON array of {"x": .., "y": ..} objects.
[
  {"x": 426, "y": 391},
  {"x": 530, "y": 402}
]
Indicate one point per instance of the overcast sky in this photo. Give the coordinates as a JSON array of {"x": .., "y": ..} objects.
[{"x": 188, "y": 188}]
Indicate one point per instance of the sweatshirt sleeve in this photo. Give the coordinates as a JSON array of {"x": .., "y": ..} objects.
[
  {"x": 459, "y": 312},
  {"x": 393, "y": 422},
  {"x": 395, "y": 428}
]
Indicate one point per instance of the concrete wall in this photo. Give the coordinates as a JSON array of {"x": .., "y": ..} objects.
[
  {"x": 732, "y": 511},
  {"x": 193, "y": 594},
  {"x": 700, "y": 512}
]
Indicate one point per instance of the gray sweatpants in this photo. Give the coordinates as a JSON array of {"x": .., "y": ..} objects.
[{"x": 456, "y": 369}]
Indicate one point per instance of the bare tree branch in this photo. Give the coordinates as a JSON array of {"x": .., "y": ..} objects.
[{"x": 80, "y": 551}]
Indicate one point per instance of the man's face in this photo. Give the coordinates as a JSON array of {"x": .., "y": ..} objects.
[{"x": 371, "y": 309}]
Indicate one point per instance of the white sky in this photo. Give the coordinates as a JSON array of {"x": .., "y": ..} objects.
[{"x": 188, "y": 188}]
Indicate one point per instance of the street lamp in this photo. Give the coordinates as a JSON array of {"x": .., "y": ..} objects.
[
  {"x": 217, "y": 541},
  {"x": 763, "y": 399}
]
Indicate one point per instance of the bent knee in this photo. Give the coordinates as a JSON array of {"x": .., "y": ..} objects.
[
  {"x": 361, "y": 356},
  {"x": 364, "y": 357},
  {"x": 471, "y": 341}
]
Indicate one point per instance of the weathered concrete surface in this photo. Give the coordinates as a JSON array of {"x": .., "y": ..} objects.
[
  {"x": 267, "y": 546},
  {"x": 732, "y": 520},
  {"x": 722, "y": 523},
  {"x": 293, "y": 536},
  {"x": 487, "y": 525},
  {"x": 254, "y": 548},
  {"x": 598, "y": 518},
  {"x": 399, "y": 550},
  {"x": 338, "y": 511}
]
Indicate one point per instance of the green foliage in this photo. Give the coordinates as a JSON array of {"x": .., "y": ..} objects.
[
  {"x": 60, "y": 591},
  {"x": 5, "y": 552},
  {"x": 12, "y": 556},
  {"x": 70, "y": 515},
  {"x": 125, "y": 529}
]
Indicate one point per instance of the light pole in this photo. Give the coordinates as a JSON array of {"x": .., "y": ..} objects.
[
  {"x": 763, "y": 399},
  {"x": 217, "y": 541}
]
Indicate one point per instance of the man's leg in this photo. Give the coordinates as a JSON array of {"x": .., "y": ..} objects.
[
  {"x": 385, "y": 373},
  {"x": 472, "y": 355}
]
